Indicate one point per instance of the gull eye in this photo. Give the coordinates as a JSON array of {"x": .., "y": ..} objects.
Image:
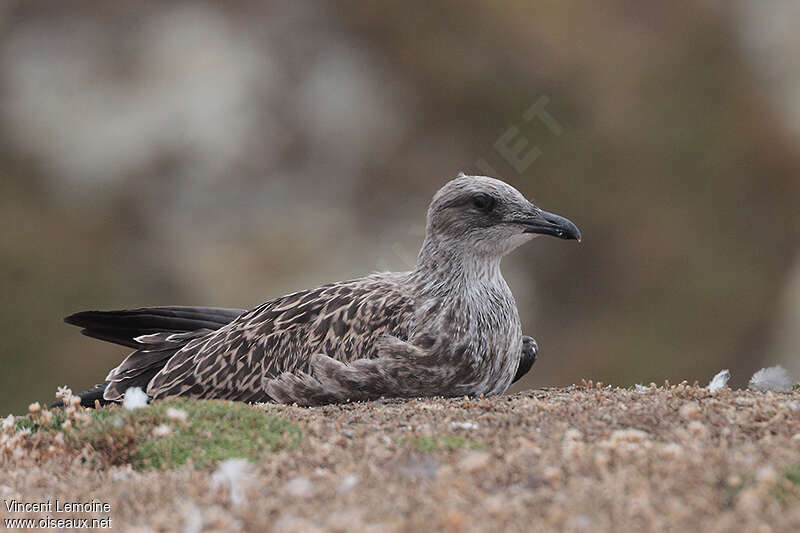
[{"x": 484, "y": 202}]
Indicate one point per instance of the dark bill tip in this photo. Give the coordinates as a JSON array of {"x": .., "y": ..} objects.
[{"x": 554, "y": 225}]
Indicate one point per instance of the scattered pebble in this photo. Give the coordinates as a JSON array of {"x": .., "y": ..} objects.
[
  {"x": 474, "y": 461},
  {"x": 292, "y": 524},
  {"x": 671, "y": 451},
  {"x": 581, "y": 522},
  {"x": 300, "y": 487},
  {"x": 425, "y": 469},
  {"x": 469, "y": 426},
  {"x": 121, "y": 473},
  {"x": 697, "y": 429},
  {"x": 496, "y": 505},
  {"x": 749, "y": 501},
  {"x": 690, "y": 411},
  {"x": 766, "y": 475},
  {"x": 194, "y": 519},
  {"x": 348, "y": 483},
  {"x": 454, "y": 520},
  {"x": 552, "y": 473},
  {"x": 141, "y": 529},
  {"x": 629, "y": 435},
  {"x": 572, "y": 445}
]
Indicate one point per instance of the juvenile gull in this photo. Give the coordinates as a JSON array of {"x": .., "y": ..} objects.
[{"x": 449, "y": 327}]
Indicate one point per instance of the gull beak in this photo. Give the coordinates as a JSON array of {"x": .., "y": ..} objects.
[{"x": 546, "y": 223}]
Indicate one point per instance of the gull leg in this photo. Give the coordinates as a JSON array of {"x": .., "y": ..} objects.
[{"x": 530, "y": 351}]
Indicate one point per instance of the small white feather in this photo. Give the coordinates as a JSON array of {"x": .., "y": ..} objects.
[
  {"x": 233, "y": 475},
  {"x": 135, "y": 398},
  {"x": 177, "y": 415},
  {"x": 720, "y": 381},
  {"x": 469, "y": 426},
  {"x": 162, "y": 431},
  {"x": 775, "y": 379}
]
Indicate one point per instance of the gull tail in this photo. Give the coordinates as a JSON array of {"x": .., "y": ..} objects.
[
  {"x": 123, "y": 327},
  {"x": 156, "y": 333}
]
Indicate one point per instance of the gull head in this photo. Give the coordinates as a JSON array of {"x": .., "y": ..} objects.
[{"x": 489, "y": 217}]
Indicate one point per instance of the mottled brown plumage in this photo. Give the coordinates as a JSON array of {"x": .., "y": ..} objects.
[{"x": 449, "y": 327}]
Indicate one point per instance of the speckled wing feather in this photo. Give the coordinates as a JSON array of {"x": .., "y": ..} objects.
[
  {"x": 426, "y": 366},
  {"x": 343, "y": 321}
]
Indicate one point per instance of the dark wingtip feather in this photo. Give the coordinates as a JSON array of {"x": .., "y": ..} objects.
[
  {"x": 110, "y": 337},
  {"x": 122, "y": 327},
  {"x": 78, "y": 319}
]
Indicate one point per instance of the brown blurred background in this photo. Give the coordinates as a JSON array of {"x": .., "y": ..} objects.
[{"x": 200, "y": 153}]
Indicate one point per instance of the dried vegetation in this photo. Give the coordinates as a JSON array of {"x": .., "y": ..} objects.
[{"x": 587, "y": 458}]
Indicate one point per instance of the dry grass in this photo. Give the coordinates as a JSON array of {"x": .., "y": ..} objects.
[{"x": 574, "y": 459}]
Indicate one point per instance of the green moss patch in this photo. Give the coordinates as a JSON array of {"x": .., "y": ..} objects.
[
  {"x": 792, "y": 474},
  {"x": 214, "y": 430},
  {"x": 787, "y": 489},
  {"x": 35, "y": 424}
]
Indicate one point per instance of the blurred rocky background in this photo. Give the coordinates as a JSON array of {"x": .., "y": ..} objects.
[{"x": 165, "y": 152}]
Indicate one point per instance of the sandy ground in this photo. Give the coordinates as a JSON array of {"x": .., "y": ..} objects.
[{"x": 577, "y": 459}]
